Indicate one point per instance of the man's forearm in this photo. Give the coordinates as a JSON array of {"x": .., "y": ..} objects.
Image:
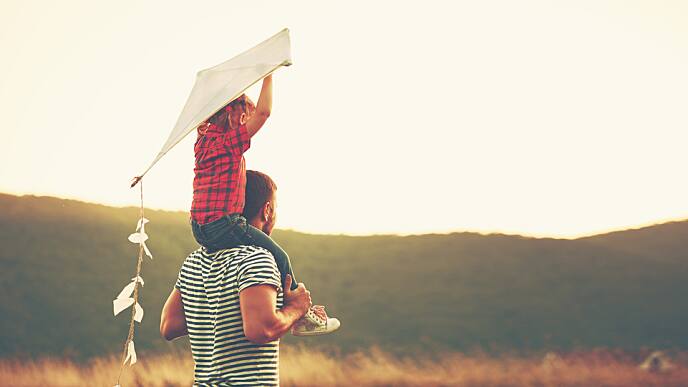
[
  {"x": 285, "y": 318},
  {"x": 262, "y": 321}
]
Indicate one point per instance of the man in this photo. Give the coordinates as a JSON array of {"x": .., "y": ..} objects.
[{"x": 232, "y": 305}]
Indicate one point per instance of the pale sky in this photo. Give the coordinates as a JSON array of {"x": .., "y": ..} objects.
[{"x": 544, "y": 118}]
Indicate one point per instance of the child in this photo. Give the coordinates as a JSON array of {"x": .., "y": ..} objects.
[{"x": 219, "y": 184}]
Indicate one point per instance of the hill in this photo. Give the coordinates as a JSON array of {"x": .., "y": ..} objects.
[{"x": 63, "y": 262}]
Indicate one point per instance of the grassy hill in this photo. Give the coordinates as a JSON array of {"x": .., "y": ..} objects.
[{"x": 64, "y": 261}]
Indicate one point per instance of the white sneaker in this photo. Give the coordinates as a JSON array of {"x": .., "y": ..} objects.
[{"x": 313, "y": 325}]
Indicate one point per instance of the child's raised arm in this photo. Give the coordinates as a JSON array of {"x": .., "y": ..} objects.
[{"x": 256, "y": 121}]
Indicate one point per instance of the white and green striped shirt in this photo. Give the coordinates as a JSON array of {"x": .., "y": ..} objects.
[{"x": 210, "y": 286}]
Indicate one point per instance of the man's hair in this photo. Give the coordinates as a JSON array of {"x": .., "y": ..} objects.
[{"x": 259, "y": 189}]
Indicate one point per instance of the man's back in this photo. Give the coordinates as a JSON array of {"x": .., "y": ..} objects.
[{"x": 209, "y": 285}]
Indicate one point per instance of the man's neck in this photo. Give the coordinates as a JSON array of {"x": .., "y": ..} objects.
[{"x": 257, "y": 223}]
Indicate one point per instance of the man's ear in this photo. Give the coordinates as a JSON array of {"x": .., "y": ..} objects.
[{"x": 266, "y": 211}]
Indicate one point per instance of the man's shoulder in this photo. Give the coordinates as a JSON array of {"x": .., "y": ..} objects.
[
  {"x": 239, "y": 252},
  {"x": 242, "y": 258},
  {"x": 250, "y": 253}
]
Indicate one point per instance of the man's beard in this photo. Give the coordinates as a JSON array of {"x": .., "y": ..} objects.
[{"x": 268, "y": 226}]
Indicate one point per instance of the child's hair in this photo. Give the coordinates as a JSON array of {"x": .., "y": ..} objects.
[{"x": 230, "y": 114}]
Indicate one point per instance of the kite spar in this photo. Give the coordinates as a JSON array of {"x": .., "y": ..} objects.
[{"x": 216, "y": 86}]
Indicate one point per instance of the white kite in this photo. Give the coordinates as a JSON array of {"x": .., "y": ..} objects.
[{"x": 217, "y": 86}]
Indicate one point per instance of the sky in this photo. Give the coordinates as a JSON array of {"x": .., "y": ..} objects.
[{"x": 541, "y": 118}]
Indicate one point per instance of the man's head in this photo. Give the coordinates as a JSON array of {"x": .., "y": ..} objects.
[{"x": 260, "y": 206}]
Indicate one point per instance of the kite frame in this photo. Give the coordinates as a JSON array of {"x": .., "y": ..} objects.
[{"x": 285, "y": 63}]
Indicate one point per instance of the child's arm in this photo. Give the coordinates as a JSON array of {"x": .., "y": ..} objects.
[{"x": 262, "y": 109}]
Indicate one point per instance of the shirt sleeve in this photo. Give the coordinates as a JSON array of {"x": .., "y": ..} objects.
[
  {"x": 181, "y": 281},
  {"x": 179, "y": 284},
  {"x": 258, "y": 268},
  {"x": 237, "y": 141}
]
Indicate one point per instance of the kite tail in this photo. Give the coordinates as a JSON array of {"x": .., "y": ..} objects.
[{"x": 129, "y": 342}]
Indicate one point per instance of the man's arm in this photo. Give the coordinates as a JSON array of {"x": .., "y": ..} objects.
[
  {"x": 172, "y": 319},
  {"x": 262, "y": 322},
  {"x": 262, "y": 109}
]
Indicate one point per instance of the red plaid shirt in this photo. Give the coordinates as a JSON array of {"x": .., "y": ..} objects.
[{"x": 220, "y": 172}]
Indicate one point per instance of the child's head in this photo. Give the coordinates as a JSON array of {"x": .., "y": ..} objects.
[{"x": 234, "y": 113}]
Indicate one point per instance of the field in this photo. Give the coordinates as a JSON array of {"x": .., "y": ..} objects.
[
  {"x": 440, "y": 295},
  {"x": 303, "y": 367},
  {"x": 452, "y": 292}
]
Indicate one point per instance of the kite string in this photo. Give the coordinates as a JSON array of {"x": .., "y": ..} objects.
[{"x": 130, "y": 335}]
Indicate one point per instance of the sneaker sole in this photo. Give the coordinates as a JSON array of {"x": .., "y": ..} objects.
[{"x": 332, "y": 325}]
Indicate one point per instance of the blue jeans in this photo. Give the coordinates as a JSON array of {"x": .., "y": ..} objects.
[{"x": 233, "y": 230}]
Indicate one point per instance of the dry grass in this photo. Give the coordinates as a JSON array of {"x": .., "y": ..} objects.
[{"x": 303, "y": 367}]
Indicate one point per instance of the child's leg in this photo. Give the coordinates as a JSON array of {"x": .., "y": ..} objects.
[
  {"x": 259, "y": 238},
  {"x": 232, "y": 231},
  {"x": 218, "y": 234}
]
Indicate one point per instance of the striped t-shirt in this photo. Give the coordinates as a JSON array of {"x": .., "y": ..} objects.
[{"x": 210, "y": 286}]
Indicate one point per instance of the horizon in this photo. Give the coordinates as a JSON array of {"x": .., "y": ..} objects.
[{"x": 436, "y": 232}]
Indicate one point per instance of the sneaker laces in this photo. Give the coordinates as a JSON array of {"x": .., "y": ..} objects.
[{"x": 314, "y": 318}]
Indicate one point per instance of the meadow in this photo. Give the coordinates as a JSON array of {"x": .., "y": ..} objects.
[
  {"x": 412, "y": 307},
  {"x": 301, "y": 366},
  {"x": 64, "y": 261}
]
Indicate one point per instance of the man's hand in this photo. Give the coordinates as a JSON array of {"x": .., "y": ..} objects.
[{"x": 298, "y": 299}]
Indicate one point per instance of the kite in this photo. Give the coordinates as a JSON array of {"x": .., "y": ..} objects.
[{"x": 217, "y": 86}]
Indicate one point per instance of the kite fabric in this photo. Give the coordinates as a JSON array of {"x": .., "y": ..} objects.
[{"x": 216, "y": 86}]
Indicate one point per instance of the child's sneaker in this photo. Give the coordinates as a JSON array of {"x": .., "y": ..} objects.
[{"x": 313, "y": 325}]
